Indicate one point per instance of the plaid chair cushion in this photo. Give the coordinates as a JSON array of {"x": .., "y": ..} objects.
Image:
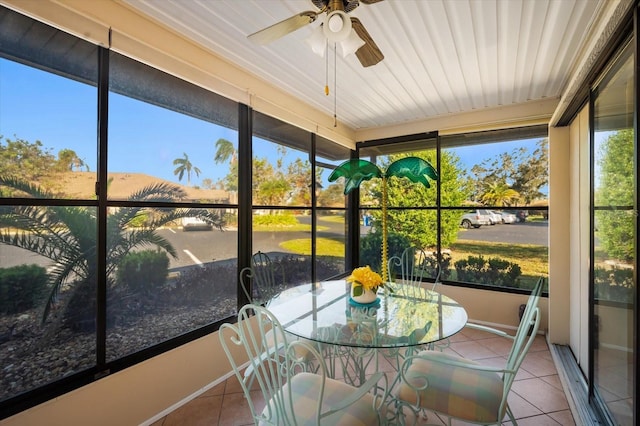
[
  {"x": 305, "y": 388},
  {"x": 456, "y": 391}
]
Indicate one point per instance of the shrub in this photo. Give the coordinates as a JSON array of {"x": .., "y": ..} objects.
[
  {"x": 230, "y": 219},
  {"x": 432, "y": 265},
  {"x": 285, "y": 219},
  {"x": 21, "y": 288},
  {"x": 613, "y": 284},
  {"x": 494, "y": 271},
  {"x": 143, "y": 271},
  {"x": 371, "y": 248}
]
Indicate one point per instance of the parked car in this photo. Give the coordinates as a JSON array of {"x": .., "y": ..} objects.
[
  {"x": 494, "y": 216},
  {"x": 521, "y": 215},
  {"x": 194, "y": 223},
  {"x": 508, "y": 217},
  {"x": 475, "y": 219}
]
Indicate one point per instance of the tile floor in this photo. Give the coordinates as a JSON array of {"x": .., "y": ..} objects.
[{"x": 536, "y": 398}]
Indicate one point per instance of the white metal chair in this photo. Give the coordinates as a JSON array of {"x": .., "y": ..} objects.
[
  {"x": 463, "y": 389},
  {"x": 260, "y": 283},
  {"x": 292, "y": 395},
  {"x": 413, "y": 265},
  {"x": 412, "y": 268}
]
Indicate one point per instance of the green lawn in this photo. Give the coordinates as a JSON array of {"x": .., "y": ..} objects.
[
  {"x": 324, "y": 247},
  {"x": 332, "y": 219},
  {"x": 532, "y": 259},
  {"x": 287, "y": 228}
]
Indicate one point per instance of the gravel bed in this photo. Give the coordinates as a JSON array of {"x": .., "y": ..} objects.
[{"x": 33, "y": 356}]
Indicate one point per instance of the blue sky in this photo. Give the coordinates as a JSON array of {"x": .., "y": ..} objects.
[{"x": 61, "y": 113}]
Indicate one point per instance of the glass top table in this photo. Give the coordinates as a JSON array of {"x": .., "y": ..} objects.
[{"x": 408, "y": 316}]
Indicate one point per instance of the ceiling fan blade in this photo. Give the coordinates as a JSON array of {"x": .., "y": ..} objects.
[
  {"x": 282, "y": 28},
  {"x": 369, "y": 54},
  {"x": 370, "y": 1}
]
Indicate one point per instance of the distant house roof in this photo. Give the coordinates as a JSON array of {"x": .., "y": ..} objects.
[{"x": 82, "y": 185}]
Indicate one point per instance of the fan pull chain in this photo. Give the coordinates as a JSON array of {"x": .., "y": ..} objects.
[
  {"x": 335, "y": 86},
  {"x": 326, "y": 70}
]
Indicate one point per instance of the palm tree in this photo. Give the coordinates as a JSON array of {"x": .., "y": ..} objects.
[
  {"x": 355, "y": 171},
  {"x": 499, "y": 194},
  {"x": 66, "y": 235},
  {"x": 224, "y": 151},
  {"x": 184, "y": 165}
]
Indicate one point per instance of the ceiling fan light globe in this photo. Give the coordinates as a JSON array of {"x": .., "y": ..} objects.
[
  {"x": 317, "y": 41},
  {"x": 351, "y": 44},
  {"x": 335, "y": 24},
  {"x": 340, "y": 22}
]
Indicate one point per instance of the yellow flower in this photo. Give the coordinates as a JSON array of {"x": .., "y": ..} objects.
[{"x": 364, "y": 279}]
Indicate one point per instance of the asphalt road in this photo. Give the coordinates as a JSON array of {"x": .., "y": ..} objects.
[
  {"x": 516, "y": 233},
  {"x": 201, "y": 247}
]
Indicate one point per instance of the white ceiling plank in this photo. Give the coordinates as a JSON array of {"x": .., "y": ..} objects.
[{"x": 442, "y": 57}]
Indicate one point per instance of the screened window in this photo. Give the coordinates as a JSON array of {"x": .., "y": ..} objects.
[
  {"x": 614, "y": 234},
  {"x": 48, "y": 216},
  {"x": 484, "y": 220},
  {"x": 331, "y": 237},
  {"x": 171, "y": 264}
]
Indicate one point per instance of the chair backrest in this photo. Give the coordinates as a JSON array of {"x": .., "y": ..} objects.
[
  {"x": 260, "y": 281},
  {"x": 523, "y": 339},
  {"x": 412, "y": 265},
  {"x": 273, "y": 360}
]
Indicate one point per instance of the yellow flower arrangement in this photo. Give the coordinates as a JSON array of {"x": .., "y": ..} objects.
[{"x": 364, "y": 278}]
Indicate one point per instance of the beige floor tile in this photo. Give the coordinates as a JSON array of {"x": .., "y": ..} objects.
[
  {"x": 520, "y": 407},
  {"x": 536, "y": 396},
  {"x": 235, "y": 409},
  {"x": 541, "y": 420},
  {"x": 541, "y": 394},
  {"x": 473, "y": 334},
  {"x": 215, "y": 391},
  {"x": 473, "y": 350},
  {"x": 539, "y": 344},
  {"x": 565, "y": 418},
  {"x": 554, "y": 381},
  {"x": 499, "y": 345},
  {"x": 459, "y": 337},
  {"x": 539, "y": 364},
  {"x": 201, "y": 411}
]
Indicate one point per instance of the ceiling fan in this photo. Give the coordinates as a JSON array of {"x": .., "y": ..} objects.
[{"x": 336, "y": 27}]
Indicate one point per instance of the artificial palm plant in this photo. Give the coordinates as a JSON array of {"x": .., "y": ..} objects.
[{"x": 355, "y": 171}]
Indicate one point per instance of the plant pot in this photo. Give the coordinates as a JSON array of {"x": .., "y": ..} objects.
[{"x": 367, "y": 296}]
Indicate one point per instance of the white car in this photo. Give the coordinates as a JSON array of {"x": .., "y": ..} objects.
[
  {"x": 475, "y": 219},
  {"x": 189, "y": 223},
  {"x": 508, "y": 217},
  {"x": 494, "y": 216}
]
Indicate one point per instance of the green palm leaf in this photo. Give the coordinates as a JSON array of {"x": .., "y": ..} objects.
[
  {"x": 413, "y": 168},
  {"x": 355, "y": 171}
]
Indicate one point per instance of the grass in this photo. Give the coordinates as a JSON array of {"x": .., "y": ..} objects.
[
  {"x": 300, "y": 227},
  {"x": 332, "y": 219},
  {"x": 324, "y": 247},
  {"x": 533, "y": 259}
]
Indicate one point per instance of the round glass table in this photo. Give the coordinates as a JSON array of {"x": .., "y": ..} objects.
[
  {"x": 354, "y": 338},
  {"x": 407, "y": 316}
]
